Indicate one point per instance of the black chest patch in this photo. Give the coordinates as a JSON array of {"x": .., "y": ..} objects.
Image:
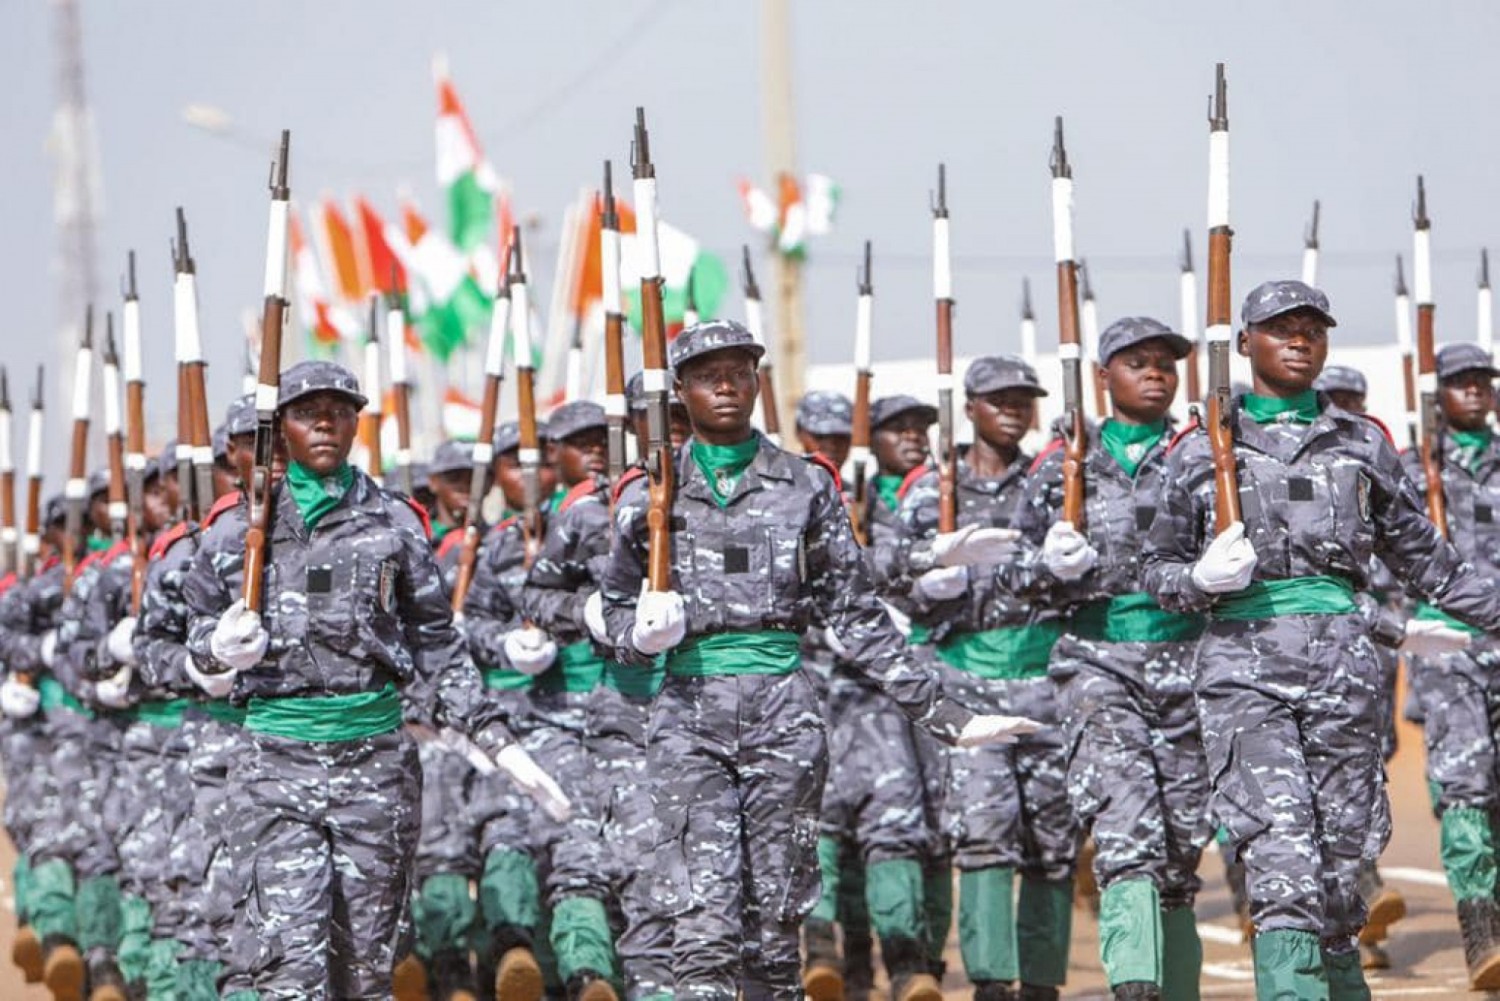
[
  {"x": 1144, "y": 516},
  {"x": 319, "y": 580},
  {"x": 736, "y": 559},
  {"x": 1299, "y": 488},
  {"x": 1484, "y": 514}
]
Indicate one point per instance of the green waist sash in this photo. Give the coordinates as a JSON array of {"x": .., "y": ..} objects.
[
  {"x": 1431, "y": 613},
  {"x": 1012, "y": 654},
  {"x": 1267, "y": 599},
  {"x": 1133, "y": 618},
  {"x": 52, "y": 695},
  {"x": 165, "y": 713},
  {"x": 719, "y": 655},
  {"x": 577, "y": 669},
  {"x": 635, "y": 682},
  {"x": 503, "y": 679},
  {"x": 323, "y": 719},
  {"x": 223, "y": 711}
]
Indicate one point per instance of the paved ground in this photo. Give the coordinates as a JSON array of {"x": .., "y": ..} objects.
[{"x": 1425, "y": 950}]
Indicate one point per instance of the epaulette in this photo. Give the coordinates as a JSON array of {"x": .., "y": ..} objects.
[
  {"x": 100, "y": 556},
  {"x": 911, "y": 478},
  {"x": 8, "y": 581},
  {"x": 1055, "y": 445},
  {"x": 631, "y": 474},
  {"x": 453, "y": 538},
  {"x": 583, "y": 488},
  {"x": 225, "y": 503},
  {"x": 819, "y": 459},
  {"x": 504, "y": 523},
  {"x": 1381, "y": 425},
  {"x": 164, "y": 540},
  {"x": 1192, "y": 426},
  {"x": 421, "y": 513},
  {"x": 49, "y": 563}
]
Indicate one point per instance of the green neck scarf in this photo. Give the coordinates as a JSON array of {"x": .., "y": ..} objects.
[
  {"x": 1471, "y": 445},
  {"x": 317, "y": 495},
  {"x": 1302, "y": 408},
  {"x": 555, "y": 501},
  {"x": 888, "y": 489},
  {"x": 97, "y": 543},
  {"x": 723, "y": 465},
  {"x": 439, "y": 530},
  {"x": 1129, "y": 444}
]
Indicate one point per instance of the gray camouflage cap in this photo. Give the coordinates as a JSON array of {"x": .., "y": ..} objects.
[
  {"x": 220, "y": 442},
  {"x": 575, "y": 416},
  {"x": 56, "y": 510},
  {"x": 1129, "y": 331},
  {"x": 508, "y": 435},
  {"x": 710, "y": 336},
  {"x": 451, "y": 456},
  {"x": 1000, "y": 372},
  {"x": 1271, "y": 299},
  {"x": 1341, "y": 379},
  {"x": 240, "y": 417},
  {"x": 308, "y": 377},
  {"x": 98, "y": 482},
  {"x": 1455, "y": 359},
  {"x": 825, "y": 412},
  {"x": 888, "y": 407},
  {"x": 164, "y": 463}
]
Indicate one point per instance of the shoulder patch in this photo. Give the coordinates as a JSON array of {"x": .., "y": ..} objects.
[
  {"x": 631, "y": 474},
  {"x": 225, "y": 503},
  {"x": 454, "y": 537},
  {"x": 1055, "y": 445},
  {"x": 819, "y": 459},
  {"x": 1192, "y": 426},
  {"x": 7, "y": 582},
  {"x": 583, "y": 488},
  {"x": 911, "y": 479},
  {"x": 100, "y": 556},
  {"x": 504, "y": 523},
  {"x": 1381, "y": 425},
  {"x": 164, "y": 540},
  {"x": 420, "y": 512}
]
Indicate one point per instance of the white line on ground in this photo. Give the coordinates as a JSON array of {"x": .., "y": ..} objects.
[
  {"x": 1427, "y": 877},
  {"x": 1219, "y": 933},
  {"x": 1228, "y": 971}
]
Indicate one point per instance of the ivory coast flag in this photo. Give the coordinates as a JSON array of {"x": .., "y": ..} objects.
[
  {"x": 466, "y": 177},
  {"x": 444, "y": 301},
  {"x": 324, "y": 322}
]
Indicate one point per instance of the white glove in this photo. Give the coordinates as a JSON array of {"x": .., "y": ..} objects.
[
  {"x": 18, "y": 700},
  {"x": 660, "y": 622},
  {"x": 1425, "y": 638},
  {"x": 1067, "y": 553},
  {"x": 593, "y": 617},
  {"x": 982, "y": 730},
  {"x": 217, "y": 685},
  {"x": 832, "y": 641},
  {"x": 239, "y": 640},
  {"x": 526, "y": 773},
  {"x": 456, "y": 743},
  {"x": 975, "y": 546},
  {"x": 1228, "y": 563},
  {"x": 944, "y": 583},
  {"x": 48, "y": 652},
  {"x": 114, "y": 692},
  {"x": 118, "y": 644},
  {"x": 529, "y": 650}
]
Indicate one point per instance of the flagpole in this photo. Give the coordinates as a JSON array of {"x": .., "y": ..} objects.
[{"x": 778, "y": 119}]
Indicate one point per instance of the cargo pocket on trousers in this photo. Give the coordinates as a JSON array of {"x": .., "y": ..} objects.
[
  {"x": 803, "y": 878},
  {"x": 667, "y": 869},
  {"x": 1239, "y": 801}
]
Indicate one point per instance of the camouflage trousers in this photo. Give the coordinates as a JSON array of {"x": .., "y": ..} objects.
[
  {"x": 153, "y": 773},
  {"x": 81, "y": 810},
  {"x": 1136, "y": 770},
  {"x": 1389, "y": 661},
  {"x": 448, "y": 843},
  {"x": 1007, "y": 806},
  {"x": 500, "y": 820},
  {"x": 209, "y": 884},
  {"x": 327, "y": 833},
  {"x": 1291, "y": 725},
  {"x": 1461, "y": 695},
  {"x": 24, "y": 753},
  {"x": 737, "y": 766}
]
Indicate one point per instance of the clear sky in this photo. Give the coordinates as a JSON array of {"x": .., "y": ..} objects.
[{"x": 1343, "y": 101}]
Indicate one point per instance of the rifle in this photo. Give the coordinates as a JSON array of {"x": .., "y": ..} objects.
[
  {"x": 369, "y": 420},
  {"x": 1486, "y": 303},
  {"x": 1188, "y": 298},
  {"x": 114, "y": 436},
  {"x": 616, "y": 408},
  {"x": 31, "y": 545},
  {"x": 530, "y": 451},
  {"x": 1028, "y": 341},
  {"x": 859, "y": 442},
  {"x": 1430, "y": 445},
  {"x": 76, "y": 492},
  {"x": 484, "y": 445},
  {"x": 660, "y": 462},
  {"x": 770, "y": 416},
  {"x": 395, "y": 336},
  {"x": 1090, "y": 321},
  {"x": 1408, "y": 360},
  {"x": 199, "y": 449},
  {"x": 9, "y": 553},
  {"x": 942, "y": 292},
  {"x": 1219, "y": 318},
  {"x": 1310, "y": 250},
  {"x": 135, "y": 433},
  {"x": 1068, "y": 350},
  {"x": 268, "y": 383}
]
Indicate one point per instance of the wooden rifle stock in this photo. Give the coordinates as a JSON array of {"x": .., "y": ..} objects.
[
  {"x": 1219, "y": 317},
  {"x": 1069, "y": 343}
]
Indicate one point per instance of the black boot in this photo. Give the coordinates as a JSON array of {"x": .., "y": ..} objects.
[
  {"x": 1478, "y": 920},
  {"x": 823, "y": 970},
  {"x": 993, "y": 990},
  {"x": 906, "y": 965},
  {"x": 1031, "y": 992},
  {"x": 586, "y": 985},
  {"x": 104, "y": 979},
  {"x": 1137, "y": 990},
  {"x": 452, "y": 976}
]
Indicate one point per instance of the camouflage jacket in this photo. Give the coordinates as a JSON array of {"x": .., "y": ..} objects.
[
  {"x": 353, "y": 605},
  {"x": 28, "y": 611},
  {"x": 779, "y": 556},
  {"x": 99, "y": 598},
  {"x": 491, "y": 608},
  {"x": 161, "y": 651},
  {"x": 569, "y": 563},
  {"x": 987, "y": 604},
  {"x": 1118, "y": 511},
  {"x": 1318, "y": 499}
]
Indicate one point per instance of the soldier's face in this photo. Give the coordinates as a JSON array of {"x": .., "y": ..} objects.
[
  {"x": 1142, "y": 380},
  {"x": 719, "y": 391},
  {"x": 99, "y": 512},
  {"x": 833, "y": 447},
  {"x": 1002, "y": 419},
  {"x": 512, "y": 483},
  {"x": 319, "y": 431},
  {"x": 1286, "y": 352},
  {"x": 581, "y": 455},
  {"x": 681, "y": 428},
  {"x": 157, "y": 512},
  {"x": 1348, "y": 399},
  {"x": 451, "y": 490},
  {"x": 242, "y": 455},
  {"x": 1467, "y": 399},
  {"x": 225, "y": 479},
  {"x": 900, "y": 444}
]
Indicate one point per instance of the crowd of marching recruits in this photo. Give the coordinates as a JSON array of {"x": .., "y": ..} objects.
[{"x": 720, "y": 724}]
